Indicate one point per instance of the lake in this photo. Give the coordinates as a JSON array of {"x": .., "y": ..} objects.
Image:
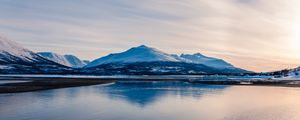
[{"x": 154, "y": 101}]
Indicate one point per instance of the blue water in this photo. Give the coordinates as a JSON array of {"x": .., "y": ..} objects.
[{"x": 153, "y": 101}]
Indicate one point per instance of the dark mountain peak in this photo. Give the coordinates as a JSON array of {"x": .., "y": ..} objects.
[
  {"x": 196, "y": 55},
  {"x": 199, "y": 54},
  {"x": 143, "y": 47}
]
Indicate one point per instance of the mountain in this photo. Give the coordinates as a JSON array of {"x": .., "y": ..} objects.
[
  {"x": 137, "y": 54},
  {"x": 209, "y": 61},
  {"x": 147, "y": 60},
  {"x": 16, "y": 59},
  {"x": 147, "y": 54},
  {"x": 67, "y": 60},
  {"x": 157, "y": 68},
  {"x": 141, "y": 60}
]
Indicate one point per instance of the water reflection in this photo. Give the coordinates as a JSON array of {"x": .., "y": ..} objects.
[
  {"x": 143, "y": 93},
  {"x": 153, "y": 101}
]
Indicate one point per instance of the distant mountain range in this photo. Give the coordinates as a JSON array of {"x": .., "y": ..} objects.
[
  {"x": 67, "y": 60},
  {"x": 138, "y": 60}
]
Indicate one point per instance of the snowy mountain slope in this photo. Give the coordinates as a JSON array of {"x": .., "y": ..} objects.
[
  {"x": 137, "y": 54},
  {"x": 10, "y": 50},
  {"x": 54, "y": 57},
  {"x": 75, "y": 61},
  {"x": 16, "y": 59},
  {"x": 209, "y": 61},
  {"x": 286, "y": 74},
  {"x": 293, "y": 74},
  {"x": 67, "y": 60}
]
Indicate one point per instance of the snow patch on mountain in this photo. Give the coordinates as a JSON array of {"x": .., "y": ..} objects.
[{"x": 67, "y": 60}]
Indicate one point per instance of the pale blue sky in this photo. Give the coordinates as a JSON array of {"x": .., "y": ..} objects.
[{"x": 260, "y": 35}]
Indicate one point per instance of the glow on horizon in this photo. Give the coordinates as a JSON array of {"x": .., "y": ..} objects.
[{"x": 258, "y": 35}]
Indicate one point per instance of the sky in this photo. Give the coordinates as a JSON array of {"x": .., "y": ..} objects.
[{"x": 257, "y": 35}]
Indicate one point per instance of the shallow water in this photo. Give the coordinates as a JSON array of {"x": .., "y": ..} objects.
[
  {"x": 11, "y": 81},
  {"x": 154, "y": 101}
]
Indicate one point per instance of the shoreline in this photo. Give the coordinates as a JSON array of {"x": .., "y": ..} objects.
[
  {"x": 29, "y": 84},
  {"x": 272, "y": 83}
]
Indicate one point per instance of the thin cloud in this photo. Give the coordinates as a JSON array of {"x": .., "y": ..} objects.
[{"x": 263, "y": 30}]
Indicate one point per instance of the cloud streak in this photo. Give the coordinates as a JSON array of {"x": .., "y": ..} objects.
[{"x": 257, "y": 35}]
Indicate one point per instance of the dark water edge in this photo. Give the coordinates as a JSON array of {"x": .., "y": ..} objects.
[
  {"x": 31, "y": 83},
  {"x": 36, "y": 84}
]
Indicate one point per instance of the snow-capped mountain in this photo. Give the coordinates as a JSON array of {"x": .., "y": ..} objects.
[
  {"x": 150, "y": 61},
  {"x": 137, "y": 54},
  {"x": 208, "y": 61},
  {"x": 16, "y": 59},
  {"x": 67, "y": 60},
  {"x": 148, "y": 54}
]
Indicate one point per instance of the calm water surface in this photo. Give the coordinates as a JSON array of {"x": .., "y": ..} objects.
[{"x": 154, "y": 101}]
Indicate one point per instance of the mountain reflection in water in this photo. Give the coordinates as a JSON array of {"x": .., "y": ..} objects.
[
  {"x": 143, "y": 93},
  {"x": 154, "y": 101}
]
